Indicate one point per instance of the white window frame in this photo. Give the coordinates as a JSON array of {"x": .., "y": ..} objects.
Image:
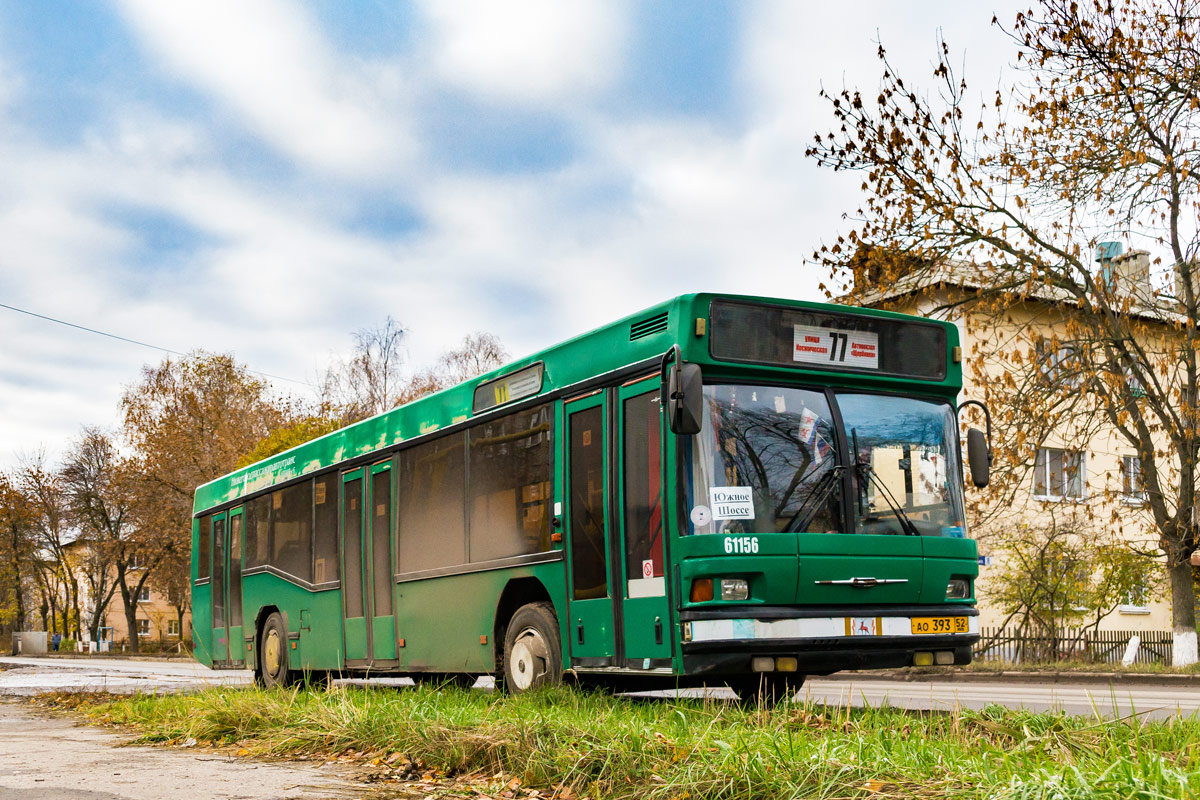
[
  {"x": 1132, "y": 491},
  {"x": 1042, "y": 464},
  {"x": 144, "y": 594},
  {"x": 143, "y": 624},
  {"x": 172, "y": 627}
]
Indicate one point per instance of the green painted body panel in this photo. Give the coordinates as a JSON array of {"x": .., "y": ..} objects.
[
  {"x": 592, "y": 632},
  {"x": 441, "y": 620},
  {"x": 202, "y": 623},
  {"x": 383, "y": 629},
  {"x": 319, "y": 645},
  {"x": 641, "y": 616},
  {"x": 944, "y": 558},
  {"x": 356, "y": 638}
]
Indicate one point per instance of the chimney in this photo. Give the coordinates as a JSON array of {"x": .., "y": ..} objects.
[
  {"x": 1193, "y": 268},
  {"x": 1132, "y": 273}
]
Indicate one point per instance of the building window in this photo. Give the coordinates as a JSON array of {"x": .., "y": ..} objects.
[
  {"x": 143, "y": 627},
  {"x": 1058, "y": 474},
  {"x": 172, "y": 627},
  {"x": 1131, "y": 480},
  {"x": 1136, "y": 601},
  {"x": 1059, "y": 367},
  {"x": 144, "y": 594}
]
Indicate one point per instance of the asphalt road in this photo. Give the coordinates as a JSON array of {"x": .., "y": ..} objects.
[{"x": 24, "y": 676}]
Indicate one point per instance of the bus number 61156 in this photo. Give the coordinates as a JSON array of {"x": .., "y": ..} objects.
[{"x": 741, "y": 544}]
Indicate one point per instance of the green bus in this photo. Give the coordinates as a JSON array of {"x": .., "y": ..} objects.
[{"x": 717, "y": 490}]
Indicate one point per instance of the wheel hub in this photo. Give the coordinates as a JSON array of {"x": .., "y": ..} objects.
[
  {"x": 271, "y": 652},
  {"x": 529, "y": 658}
]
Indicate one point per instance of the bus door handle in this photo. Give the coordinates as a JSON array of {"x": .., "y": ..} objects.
[
  {"x": 658, "y": 630},
  {"x": 579, "y": 630}
]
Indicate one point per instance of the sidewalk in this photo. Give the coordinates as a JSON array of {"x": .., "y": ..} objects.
[{"x": 961, "y": 675}]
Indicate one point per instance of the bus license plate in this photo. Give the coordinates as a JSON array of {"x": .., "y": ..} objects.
[{"x": 922, "y": 625}]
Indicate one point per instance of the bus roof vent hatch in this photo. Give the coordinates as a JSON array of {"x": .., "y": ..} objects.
[{"x": 648, "y": 326}]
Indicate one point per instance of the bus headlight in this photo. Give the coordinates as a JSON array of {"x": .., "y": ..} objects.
[
  {"x": 958, "y": 589},
  {"x": 734, "y": 589}
]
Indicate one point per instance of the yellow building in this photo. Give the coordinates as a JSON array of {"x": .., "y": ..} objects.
[{"x": 1087, "y": 478}]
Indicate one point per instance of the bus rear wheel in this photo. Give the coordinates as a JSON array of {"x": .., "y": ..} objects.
[
  {"x": 272, "y": 653},
  {"x": 768, "y": 688},
  {"x": 532, "y": 649}
]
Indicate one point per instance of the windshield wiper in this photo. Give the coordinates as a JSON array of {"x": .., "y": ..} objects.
[
  {"x": 865, "y": 470},
  {"x": 820, "y": 493}
]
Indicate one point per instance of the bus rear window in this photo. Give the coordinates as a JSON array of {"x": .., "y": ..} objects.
[{"x": 791, "y": 337}]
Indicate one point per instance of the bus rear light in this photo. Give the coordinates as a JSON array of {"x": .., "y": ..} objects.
[
  {"x": 944, "y": 657},
  {"x": 922, "y": 659},
  {"x": 762, "y": 664},
  {"x": 734, "y": 589},
  {"x": 702, "y": 590},
  {"x": 786, "y": 664}
]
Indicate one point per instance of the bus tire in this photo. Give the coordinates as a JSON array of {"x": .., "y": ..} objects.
[
  {"x": 273, "y": 652},
  {"x": 767, "y": 688},
  {"x": 532, "y": 649}
]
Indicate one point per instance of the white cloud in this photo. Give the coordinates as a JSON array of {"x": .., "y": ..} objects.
[
  {"x": 266, "y": 61},
  {"x": 534, "y": 51}
]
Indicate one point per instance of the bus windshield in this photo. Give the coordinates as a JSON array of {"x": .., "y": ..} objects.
[
  {"x": 907, "y": 474},
  {"x": 767, "y": 460}
]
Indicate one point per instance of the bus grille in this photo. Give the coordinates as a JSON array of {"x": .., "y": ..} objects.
[{"x": 648, "y": 326}]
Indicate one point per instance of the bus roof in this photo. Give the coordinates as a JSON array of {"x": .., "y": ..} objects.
[{"x": 639, "y": 337}]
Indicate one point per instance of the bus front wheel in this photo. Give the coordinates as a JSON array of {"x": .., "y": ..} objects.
[
  {"x": 532, "y": 649},
  {"x": 272, "y": 653}
]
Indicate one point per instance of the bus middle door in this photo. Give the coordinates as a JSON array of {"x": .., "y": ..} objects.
[
  {"x": 367, "y": 575},
  {"x": 227, "y": 588}
]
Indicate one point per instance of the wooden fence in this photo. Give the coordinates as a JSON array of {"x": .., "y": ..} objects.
[{"x": 1020, "y": 646}]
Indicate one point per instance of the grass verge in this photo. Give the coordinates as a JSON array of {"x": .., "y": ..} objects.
[{"x": 568, "y": 743}]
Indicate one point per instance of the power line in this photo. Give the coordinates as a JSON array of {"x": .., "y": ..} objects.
[{"x": 135, "y": 341}]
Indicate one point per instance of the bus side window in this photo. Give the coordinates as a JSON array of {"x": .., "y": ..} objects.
[
  {"x": 202, "y": 559},
  {"x": 325, "y": 529},
  {"x": 430, "y": 499},
  {"x": 509, "y": 485},
  {"x": 291, "y": 530}
]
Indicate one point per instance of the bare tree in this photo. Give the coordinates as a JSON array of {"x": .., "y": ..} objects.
[
  {"x": 100, "y": 484},
  {"x": 372, "y": 381},
  {"x": 1099, "y": 139}
]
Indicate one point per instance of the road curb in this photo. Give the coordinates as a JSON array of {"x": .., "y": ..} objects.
[{"x": 1020, "y": 676}]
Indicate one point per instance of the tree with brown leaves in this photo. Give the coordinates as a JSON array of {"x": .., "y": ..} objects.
[{"x": 1098, "y": 139}]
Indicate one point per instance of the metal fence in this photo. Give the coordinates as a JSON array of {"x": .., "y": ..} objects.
[{"x": 1020, "y": 646}]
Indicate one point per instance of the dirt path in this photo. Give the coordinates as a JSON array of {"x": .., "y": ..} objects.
[{"x": 49, "y": 758}]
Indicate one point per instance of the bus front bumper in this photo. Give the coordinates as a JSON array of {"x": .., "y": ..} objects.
[{"x": 824, "y": 640}]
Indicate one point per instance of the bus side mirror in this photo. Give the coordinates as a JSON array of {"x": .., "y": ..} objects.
[
  {"x": 685, "y": 398},
  {"x": 978, "y": 457}
]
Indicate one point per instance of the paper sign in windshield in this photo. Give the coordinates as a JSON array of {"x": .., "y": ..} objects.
[
  {"x": 832, "y": 347},
  {"x": 731, "y": 502}
]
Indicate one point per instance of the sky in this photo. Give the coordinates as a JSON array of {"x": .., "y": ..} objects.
[{"x": 265, "y": 178}]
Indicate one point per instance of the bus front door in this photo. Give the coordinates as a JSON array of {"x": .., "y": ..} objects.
[
  {"x": 591, "y": 638},
  {"x": 645, "y": 609},
  {"x": 227, "y": 588},
  {"x": 367, "y": 574}
]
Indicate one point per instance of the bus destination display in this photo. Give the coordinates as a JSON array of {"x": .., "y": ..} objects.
[
  {"x": 813, "y": 345},
  {"x": 762, "y": 333}
]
